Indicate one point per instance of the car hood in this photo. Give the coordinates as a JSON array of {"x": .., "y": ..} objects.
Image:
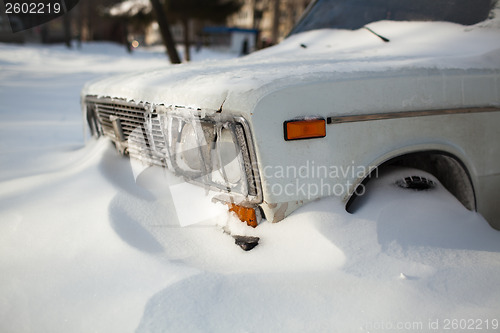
[{"x": 312, "y": 57}]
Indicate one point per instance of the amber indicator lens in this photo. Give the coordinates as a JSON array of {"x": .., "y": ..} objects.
[
  {"x": 304, "y": 129},
  {"x": 245, "y": 214}
]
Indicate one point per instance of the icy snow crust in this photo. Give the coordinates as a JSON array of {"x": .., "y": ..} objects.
[
  {"x": 312, "y": 57},
  {"x": 85, "y": 248}
]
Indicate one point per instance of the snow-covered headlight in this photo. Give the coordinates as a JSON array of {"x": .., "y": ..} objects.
[
  {"x": 188, "y": 154},
  {"x": 229, "y": 156},
  {"x": 194, "y": 146},
  {"x": 213, "y": 151}
]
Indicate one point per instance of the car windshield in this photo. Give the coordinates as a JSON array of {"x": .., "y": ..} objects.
[{"x": 354, "y": 14}]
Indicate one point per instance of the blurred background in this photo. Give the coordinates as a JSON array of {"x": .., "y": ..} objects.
[{"x": 236, "y": 26}]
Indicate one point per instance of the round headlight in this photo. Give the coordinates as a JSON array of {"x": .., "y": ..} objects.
[
  {"x": 229, "y": 156},
  {"x": 188, "y": 149}
]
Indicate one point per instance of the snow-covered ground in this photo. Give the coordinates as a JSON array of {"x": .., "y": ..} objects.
[{"x": 86, "y": 248}]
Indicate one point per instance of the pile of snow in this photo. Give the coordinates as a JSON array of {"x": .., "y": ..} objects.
[{"x": 84, "y": 247}]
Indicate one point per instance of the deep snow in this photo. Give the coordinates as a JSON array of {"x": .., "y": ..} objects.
[{"x": 84, "y": 247}]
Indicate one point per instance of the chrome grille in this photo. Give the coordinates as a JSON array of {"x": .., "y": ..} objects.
[{"x": 141, "y": 143}]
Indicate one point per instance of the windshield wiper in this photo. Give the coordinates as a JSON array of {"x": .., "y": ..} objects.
[{"x": 376, "y": 34}]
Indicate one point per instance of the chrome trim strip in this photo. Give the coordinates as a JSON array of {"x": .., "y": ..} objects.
[{"x": 406, "y": 114}]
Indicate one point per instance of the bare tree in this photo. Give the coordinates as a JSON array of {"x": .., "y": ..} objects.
[{"x": 165, "y": 31}]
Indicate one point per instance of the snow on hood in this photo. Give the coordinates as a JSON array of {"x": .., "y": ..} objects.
[{"x": 312, "y": 56}]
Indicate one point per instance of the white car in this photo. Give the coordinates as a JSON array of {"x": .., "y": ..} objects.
[{"x": 358, "y": 85}]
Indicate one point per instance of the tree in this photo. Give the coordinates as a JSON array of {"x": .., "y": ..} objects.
[
  {"x": 67, "y": 29},
  {"x": 139, "y": 14},
  {"x": 165, "y": 31},
  {"x": 210, "y": 10}
]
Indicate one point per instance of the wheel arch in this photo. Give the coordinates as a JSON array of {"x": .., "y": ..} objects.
[{"x": 449, "y": 169}]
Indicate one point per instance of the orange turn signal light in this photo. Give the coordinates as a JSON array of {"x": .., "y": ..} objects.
[
  {"x": 245, "y": 214},
  {"x": 304, "y": 129}
]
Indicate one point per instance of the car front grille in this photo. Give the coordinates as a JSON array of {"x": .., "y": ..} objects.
[{"x": 131, "y": 137}]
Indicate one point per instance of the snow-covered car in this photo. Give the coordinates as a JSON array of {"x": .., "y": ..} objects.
[{"x": 358, "y": 85}]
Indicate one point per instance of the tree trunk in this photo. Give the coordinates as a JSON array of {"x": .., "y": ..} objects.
[
  {"x": 276, "y": 22},
  {"x": 90, "y": 31},
  {"x": 67, "y": 30},
  {"x": 168, "y": 40},
  {"x": 80, "y": 26},
  {"x": 187, "y": 42},
  {"x": 124, "y": 36}
]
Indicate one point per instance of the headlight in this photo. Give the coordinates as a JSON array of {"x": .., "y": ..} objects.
[
  {"x": 229, "y": 156},
  {"x": 212, "y": 151},
  {"x": 188, "y": 152},
  {"x": 194, "y": 147}
]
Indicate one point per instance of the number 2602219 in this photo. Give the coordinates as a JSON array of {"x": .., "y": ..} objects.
[
  {"x": 32, "y": 8},
  {"x": 470, "y": 324}
]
